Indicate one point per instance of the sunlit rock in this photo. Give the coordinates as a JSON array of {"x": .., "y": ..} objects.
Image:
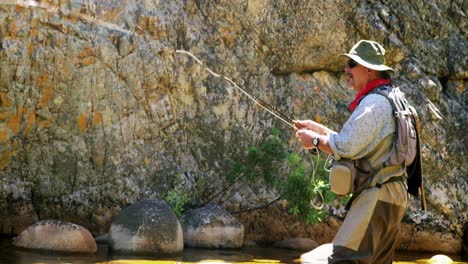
[
  {"x": 211, "y": 227},
  {"x": 318, "y": 255},
  {"x": 146, "y": 227},
  {"x": 441, "y": 259},
  {"x": 57, "y": 236}
]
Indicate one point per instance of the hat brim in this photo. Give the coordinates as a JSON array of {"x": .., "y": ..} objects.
[{"x": 377, "y": 67}]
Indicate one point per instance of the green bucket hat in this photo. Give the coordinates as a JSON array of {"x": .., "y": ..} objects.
[{"x": 369, "y": 54}]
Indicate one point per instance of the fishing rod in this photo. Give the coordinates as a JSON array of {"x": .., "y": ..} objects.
[
  {"x": 264, "y": 105},
  {"x": 270, "y": 109}
]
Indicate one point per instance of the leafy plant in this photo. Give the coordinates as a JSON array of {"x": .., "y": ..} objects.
[
  {"x": 260, "y": 162},
  {"x": 307, "y": 193},
  {"x": 177, "y": 201}
]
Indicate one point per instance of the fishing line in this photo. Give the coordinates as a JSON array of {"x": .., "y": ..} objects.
[
  {"x": 283, "y": 118},
  {"x": 312, "y": 180},
  {"x": 258, "y": 102}
]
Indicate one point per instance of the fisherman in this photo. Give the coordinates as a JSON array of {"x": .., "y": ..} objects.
[{"x": 369, "y": 232}]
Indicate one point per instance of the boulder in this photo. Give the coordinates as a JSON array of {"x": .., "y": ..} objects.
[
  {"x": 57, "y": 236},
  {"x": 412, "y": 239},
  {"x": 302, "y": 244},
  {"x": 211, "y": 227},
  {"x": 441, "y": 259},
  {"x": 146, "y": 227}
]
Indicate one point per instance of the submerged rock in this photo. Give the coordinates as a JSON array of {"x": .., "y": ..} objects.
[
  {"x": 57, "y": 236},
  {"x": 249, "y": 244},
  {"x": 212, "y": 227},
  {"x": 303, "y": 244},
  {"x": 146, "y": 227}
]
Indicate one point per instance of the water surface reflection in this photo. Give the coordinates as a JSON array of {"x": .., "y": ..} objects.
[{"x": 10, "y": 254}]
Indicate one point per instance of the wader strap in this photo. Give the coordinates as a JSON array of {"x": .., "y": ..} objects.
[
  {"x": 378, "y": 185},
  {"x": 386, "y": 173},
  {"x": 393, "y": 179}
]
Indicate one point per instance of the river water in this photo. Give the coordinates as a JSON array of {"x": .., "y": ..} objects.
[{"x": 9, "y": 255}]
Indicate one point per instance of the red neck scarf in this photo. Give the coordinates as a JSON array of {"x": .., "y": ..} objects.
[{"x": 367, "y": 89}]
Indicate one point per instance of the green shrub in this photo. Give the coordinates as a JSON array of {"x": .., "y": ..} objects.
[
  {"x": 177, "y": 201},
  {"x": 260, "y": 162},
  {"x": 307, "y": 193}
]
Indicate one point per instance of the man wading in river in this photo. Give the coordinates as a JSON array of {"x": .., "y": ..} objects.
[{"x": 369, "y": 231}]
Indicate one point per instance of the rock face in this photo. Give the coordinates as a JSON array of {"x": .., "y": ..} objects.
[
  {"x": 57, "y": 236},
  {"x": 211, "y": 227},
  {"x": 146, "y": 227},
  {"x": 97, "y": 110}
]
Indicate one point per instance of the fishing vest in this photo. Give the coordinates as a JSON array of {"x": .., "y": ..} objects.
[{"x": 404, "y": 158}]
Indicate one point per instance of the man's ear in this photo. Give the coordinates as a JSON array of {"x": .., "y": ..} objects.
[{"x": 372, "y": 73}]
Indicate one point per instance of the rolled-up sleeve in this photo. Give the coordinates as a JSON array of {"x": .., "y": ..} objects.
[{"x": 370, "y": 122}]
